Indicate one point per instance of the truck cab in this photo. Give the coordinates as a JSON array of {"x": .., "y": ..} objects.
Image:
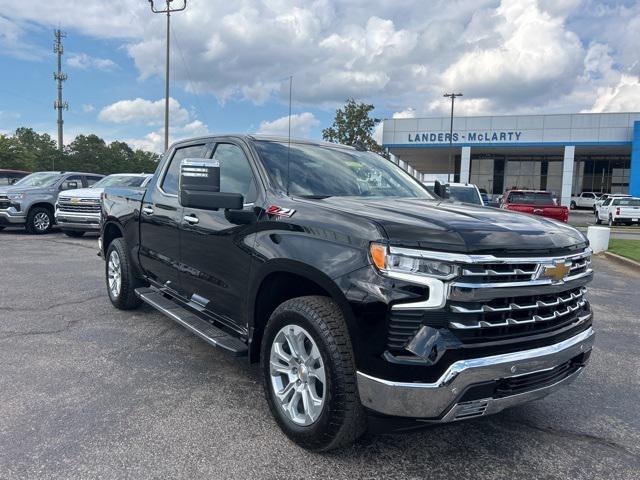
[{"x": 368, "y": 302}]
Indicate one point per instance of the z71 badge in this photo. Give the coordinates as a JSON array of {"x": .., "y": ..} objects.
[{"x": 277, "y": 211}]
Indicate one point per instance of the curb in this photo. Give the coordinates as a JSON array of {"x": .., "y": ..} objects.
[{"x": 623, "y": 260}]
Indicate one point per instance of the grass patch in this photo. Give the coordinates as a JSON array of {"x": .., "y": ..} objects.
[{"x": 626, "y": 248}]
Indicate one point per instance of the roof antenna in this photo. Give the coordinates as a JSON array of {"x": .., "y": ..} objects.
[{"x": 289, "y": 140}]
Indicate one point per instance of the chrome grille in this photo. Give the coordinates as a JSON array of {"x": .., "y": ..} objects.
[
  {"x": 79, "y": 206},
  {"x": 496, "y": 299}
]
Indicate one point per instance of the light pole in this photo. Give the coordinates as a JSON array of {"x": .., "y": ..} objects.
[
  {"x": 168, "y": 10},
  {"x": 452, "y": 96}
]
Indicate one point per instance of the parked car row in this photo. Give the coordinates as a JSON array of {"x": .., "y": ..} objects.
[{"x": 71, "y": 199}]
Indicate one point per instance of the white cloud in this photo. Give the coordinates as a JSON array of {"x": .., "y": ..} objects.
[
  {"x": 623, "y": 97},
  {"x": 143, "y": 112},
  {"x": 83, "y": 61},
  {"x": 507, "y": 56},
  {"x": 154, "y": 141},
  {"x": 301, "y": 125}
]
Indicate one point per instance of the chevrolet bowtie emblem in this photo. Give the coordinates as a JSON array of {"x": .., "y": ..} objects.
[
  {"x": 556, "y": 272},
  {"x": 75, "y": 200}
]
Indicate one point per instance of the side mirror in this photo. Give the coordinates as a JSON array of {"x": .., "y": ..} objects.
[
  {"x": 440, "y": 190},
  {"x": 200, "y": 186}
]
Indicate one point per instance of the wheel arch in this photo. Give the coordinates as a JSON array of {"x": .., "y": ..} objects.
[
  {"x": 46, "y": 205},
  {"x": 280, "y": 280},
  {"x": 110, "y": 231}
]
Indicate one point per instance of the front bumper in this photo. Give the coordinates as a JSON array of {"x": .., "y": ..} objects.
[
  {"x": 83, "y": 222},
  {"x": 11, "y": 217},
  {"x": 446, "y": 399}
]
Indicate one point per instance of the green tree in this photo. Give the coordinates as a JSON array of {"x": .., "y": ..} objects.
[{"x": 352, "y": 122}]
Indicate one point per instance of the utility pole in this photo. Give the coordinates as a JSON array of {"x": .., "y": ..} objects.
[
  {"x": 452, "y": 96},
  {"x": 59, "y": 77},
  {"x": 168, "y": 10}
]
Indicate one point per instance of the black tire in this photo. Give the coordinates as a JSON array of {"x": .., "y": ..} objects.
[
  {"x": 573, "y": 206},
  {"x": 39, "y": 220},
  {"x": 73, "y": 233},
  {"x": 598, "y": 221},
  {"x": 342, "y": 419},
  {"x": 611, "y": 222},
  {"x": 125, "y": 298}
]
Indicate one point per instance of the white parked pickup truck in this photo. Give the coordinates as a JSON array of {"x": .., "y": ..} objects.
[
  {"x": 619, "y": 210},
  {"x": 584, "y": 200}
]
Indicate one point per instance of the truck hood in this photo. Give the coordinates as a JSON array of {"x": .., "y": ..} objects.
[
  {"x": 86, "y": 193},
  {"x": 449, "y": 226},
  {"x": 19, "y": 189}
]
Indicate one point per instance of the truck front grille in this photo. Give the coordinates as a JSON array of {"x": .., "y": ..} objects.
[
  {"x": 4, "y": 202},
  {"x": 78, "y": 205},
  {"x": 510, "y": 300}
]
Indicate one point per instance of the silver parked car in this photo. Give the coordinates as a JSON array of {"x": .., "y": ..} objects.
[
  {"x": 78, "y": 211},
  {"x": 30, "y": 202}
]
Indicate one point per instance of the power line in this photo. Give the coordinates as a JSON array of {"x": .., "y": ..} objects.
[
  {"x": 59, "y": 77},
  {"x": 190, "y": 77}
]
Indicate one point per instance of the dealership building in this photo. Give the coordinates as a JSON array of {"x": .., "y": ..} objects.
[{"x": 567, "y": 154}]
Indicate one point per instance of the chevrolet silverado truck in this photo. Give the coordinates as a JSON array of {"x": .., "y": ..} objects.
[
  {"x": 535, "y": 202},
  {"x": 30, "y": 202},
  {"x": 78, "y": 211},
  {"x": 367, "y": 302}
]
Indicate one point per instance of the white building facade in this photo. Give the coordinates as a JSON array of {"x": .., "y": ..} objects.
[{"x": 566, "y": 154}]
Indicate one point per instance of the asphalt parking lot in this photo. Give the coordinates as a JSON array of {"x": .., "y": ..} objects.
[{"x": 87, "y": 391}]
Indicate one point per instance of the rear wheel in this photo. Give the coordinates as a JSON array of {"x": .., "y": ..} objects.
[
  {"x": 120, "y": 277},
  {"x": 310, "y": 375},
  {"x": 73, "y": 233},
  {"x": 39, "y": 220},
  {"x": 611, "y": 221},
  {"x": 573, "y": 206},
  {"x": 598, "y": 221}
]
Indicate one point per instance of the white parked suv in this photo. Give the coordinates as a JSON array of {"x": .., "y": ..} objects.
[
  {"x": 459, "y": 192},
  {"x": 584, "y": 200},
  {"x": 619, "y": 210}
]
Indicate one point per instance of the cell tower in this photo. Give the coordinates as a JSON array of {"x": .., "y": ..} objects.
[{"x": 59, "y": 77}]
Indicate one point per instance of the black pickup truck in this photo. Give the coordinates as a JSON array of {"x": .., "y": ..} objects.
[{"x": 368, "y": 302}]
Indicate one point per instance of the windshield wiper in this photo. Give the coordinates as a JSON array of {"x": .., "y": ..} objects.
[{"x": 315, "y": 197}]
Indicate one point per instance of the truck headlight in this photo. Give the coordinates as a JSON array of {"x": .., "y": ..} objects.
[
  {"x": 388, "y": 262},
  {"x": 15, "y": 196}
]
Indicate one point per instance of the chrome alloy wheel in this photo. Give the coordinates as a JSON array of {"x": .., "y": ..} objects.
[
  {"x": 114, "y": 272},
  {"x": 41, "y": 221},
  {"x": 297, "y": 375}
]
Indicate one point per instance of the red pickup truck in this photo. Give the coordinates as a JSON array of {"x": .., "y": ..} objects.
[{"x": 535, "y": 202}]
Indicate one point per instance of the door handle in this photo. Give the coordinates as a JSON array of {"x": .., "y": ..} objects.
[
  {"x": 147, "y": 210},
  {"x": 191, "y": 219}
]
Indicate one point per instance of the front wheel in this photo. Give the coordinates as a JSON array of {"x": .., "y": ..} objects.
[
  {"x": 310, "y": 374},
  {"x": 73, "y": 233},
  {"x": 39, "y": 220},
  {"x": 120, "y": 277},
  {"x": 573, "y": 206},
  {"x": 598, "y": 221}
]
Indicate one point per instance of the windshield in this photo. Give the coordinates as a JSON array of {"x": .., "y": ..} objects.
[
  {"x": 627, "y": 202},
  {"x": 531, "y": 198},
  {"x": 325, "y": 171},
  {"x": 40, "y": 179},
  {"x": 464, "y": 194},
  {"x": 120, "y": 181}
]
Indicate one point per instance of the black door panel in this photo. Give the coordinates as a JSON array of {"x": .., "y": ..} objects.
[
  {"x": 214, "y": 252},
  {"x": 160, "y": 223}
]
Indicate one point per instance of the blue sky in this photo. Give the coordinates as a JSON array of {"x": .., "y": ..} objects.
[{"x": 231, "y": 61}]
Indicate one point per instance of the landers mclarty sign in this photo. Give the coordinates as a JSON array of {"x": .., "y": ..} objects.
[{"x": 467, "y": 137}]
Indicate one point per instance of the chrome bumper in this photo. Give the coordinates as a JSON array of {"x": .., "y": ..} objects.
[
  {"x": 437, "y": 402},
  {"x": 78, "y": 221},
  {"x": 11, "y": 218}
]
